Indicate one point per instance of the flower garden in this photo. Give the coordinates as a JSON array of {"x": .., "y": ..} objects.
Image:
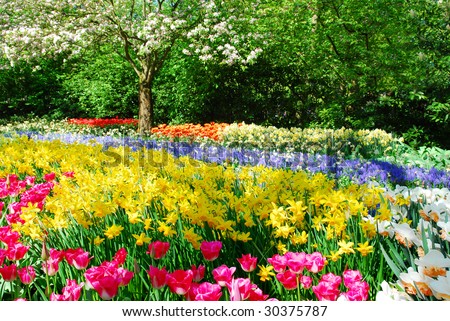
[{"x": 89, "y": 210}]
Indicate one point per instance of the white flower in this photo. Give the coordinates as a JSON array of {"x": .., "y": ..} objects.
[
  {"x": 441, "y": 287},
  {"x": 433, "y": 258},
  {"x": 390, "y": 293}
]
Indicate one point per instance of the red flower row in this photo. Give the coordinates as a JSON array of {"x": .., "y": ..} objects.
[{"x": 102, "y": 122}]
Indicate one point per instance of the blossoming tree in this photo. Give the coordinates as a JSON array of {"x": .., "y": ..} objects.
[{"x": 142, "y": 32}]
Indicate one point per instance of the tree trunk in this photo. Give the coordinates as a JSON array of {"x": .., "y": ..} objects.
[{"x": 145, "y": 107}]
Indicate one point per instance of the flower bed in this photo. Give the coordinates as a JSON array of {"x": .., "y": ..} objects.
[{"x": 170, "y": 228}]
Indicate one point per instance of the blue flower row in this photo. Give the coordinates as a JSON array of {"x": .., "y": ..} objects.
[{"x": 357, "y": 170}]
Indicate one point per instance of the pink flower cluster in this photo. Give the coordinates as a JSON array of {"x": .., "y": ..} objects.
[
  {"x": 328, "y": 288},
  {"x": 188, "y": 282},
  {"x": 109, "y": 276},
  {"x": 29, "y": 192},
  {"x": 12, "y": 254},
  {"x": 290, "y": 268}
]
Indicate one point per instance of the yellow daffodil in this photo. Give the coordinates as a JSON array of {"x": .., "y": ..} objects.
[
  {"x": 300, "y": 239},
  {"x": 141, "y": 239},
  {"x": 98, "y": 240},
  {"x": 346, "y": 247},
  {"x": 166, "y": 229},
  {"x": 334, "y": 256},
  {"x": 265, "y": 273},
  {"x": 113, "y": 231},
  {"x": 364, "y": 248},
  {"x": 147, "y": 224}
]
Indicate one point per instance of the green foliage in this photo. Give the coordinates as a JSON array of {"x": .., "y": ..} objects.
[
  {"x": 101, "y": 85},
  {"x": 24, "y": 90},
  {"x": 423, "y": 156}
]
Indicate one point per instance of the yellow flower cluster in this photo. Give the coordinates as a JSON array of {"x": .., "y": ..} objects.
[{"x": 183, "y": 197}]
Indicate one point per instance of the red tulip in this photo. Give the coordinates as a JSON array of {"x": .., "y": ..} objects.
[
  {"x": 158, "y": 249},
  {"x": 192, "y": 293},
  {"x": 328, "y": 287},
  {"x": 16, "y": 251},
  {"x": 199, "y": 272},
  {"x": 157, "y": 277},
  {"x": 120, "y": 256},
  {"x": 51, "y": 265},
  {"x": 49, "y": 177},
  {"x": 306, "y": 281},
  {"x": 210, "y": 250},
  {"x": 2, "y": 256},
  {"x": 180, "y": 281},
  {"x": 240, "y": 289},
  {"x": 9, "y": 272}
]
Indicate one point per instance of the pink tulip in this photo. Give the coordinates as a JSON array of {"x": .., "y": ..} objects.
[
  {"x": 296, "y": 261},
  {"x": 71, "y": 292},
  {"x": 279, "y": 262},
  {"x": 2, "y": 256},
  {"x": 306, "y": 281},
  {"x": 157, "y": 277},
  {"x": 223, "y": 274},
  {"x": 288, "y": 279},
  {"x": 9, "y": 272},
  {"x": 328, "y": 287},
  {"x": 208, "y": 292},
  {"x": 240, "y": 289},
  {"x": 51, "y": 265},
  {"x": 158, "y": 249},
  {"x": 351, "y": 276},
  {"x": 107, "y": 278},
  {"x": 358, "y": 291},
  {"x": 26, "y": 274},
  {"x": 30, "y": 180},
  {"x": 210, "y": 250},
  {"x": 16, "y": 251},
  {"x": 335, "y": 280},
  {"x": 192, "y": 293},
  {"x": 8, "y": 236},
  {"x": 179, "y": 281},
  {"x": 199, "y": 272},
  {"x": 248, "y": 263},
  {"x": 315, "y": 262},
  {"x": 77, "y": 258}
]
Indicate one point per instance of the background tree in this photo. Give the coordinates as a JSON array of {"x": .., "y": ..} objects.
[{"x": 142, "y": 32}]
